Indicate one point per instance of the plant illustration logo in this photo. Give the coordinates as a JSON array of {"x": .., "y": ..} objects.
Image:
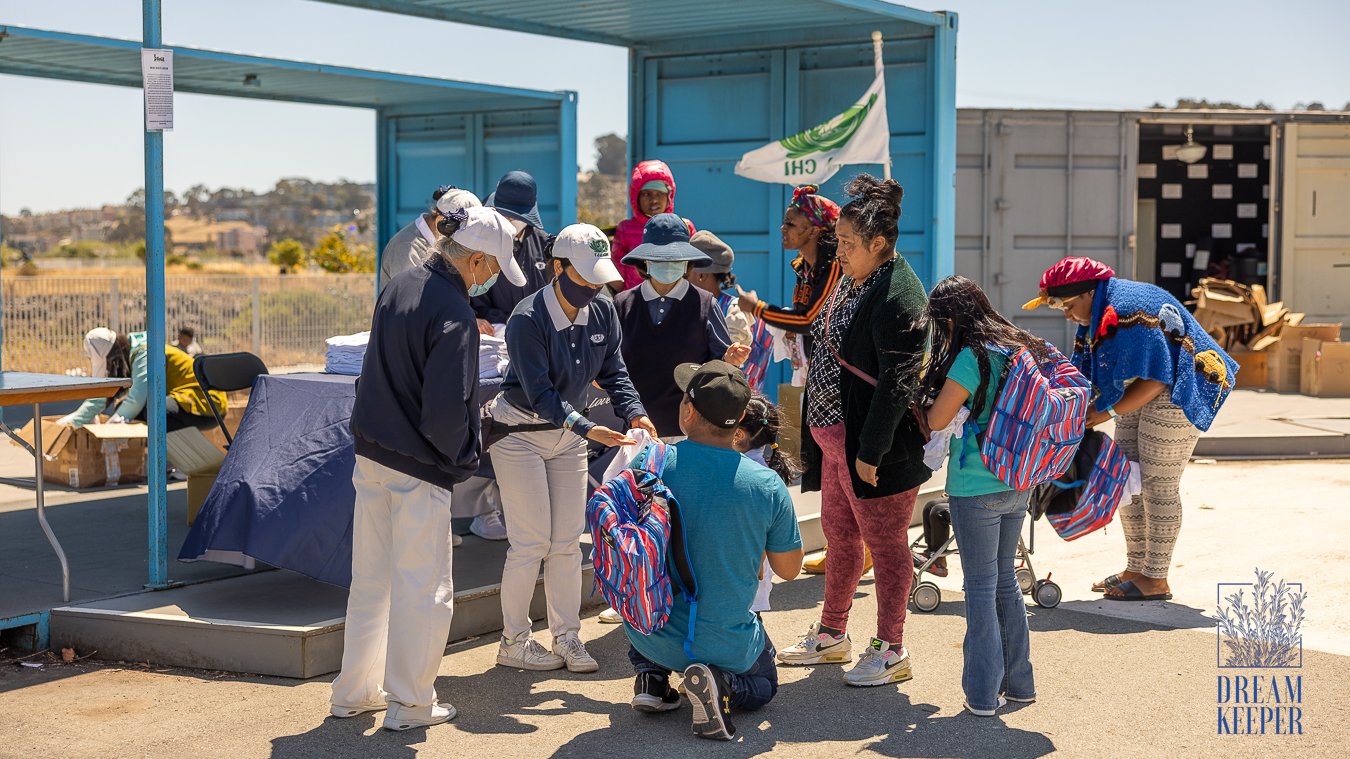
[
  {"x": 1260, "y": 628},
  {"x": 601, "y": 247},
  {"x": 830, "y": 135},
  {"x": 1264, "y": 633}
]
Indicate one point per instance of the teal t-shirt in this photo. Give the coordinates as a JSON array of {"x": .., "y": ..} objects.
[
  {"x": 734, "y": 511},
  {"x": 966, "y": 474}
]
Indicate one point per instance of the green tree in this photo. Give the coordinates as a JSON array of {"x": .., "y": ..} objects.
[
  {"x": 287, "y": 253},
  {"x": 333, "y": 253}
]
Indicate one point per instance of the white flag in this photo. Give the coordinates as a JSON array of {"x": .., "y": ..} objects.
[{"x": 860, "y": 134}]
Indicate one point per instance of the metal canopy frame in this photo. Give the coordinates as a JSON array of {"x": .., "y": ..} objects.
[{"x": 101, "y": 60}]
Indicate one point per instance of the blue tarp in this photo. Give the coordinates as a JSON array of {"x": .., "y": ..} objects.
[{"x": 284, "y": 495}]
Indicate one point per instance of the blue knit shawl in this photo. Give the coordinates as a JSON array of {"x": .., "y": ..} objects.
[{"x": 1139, "y": 331}]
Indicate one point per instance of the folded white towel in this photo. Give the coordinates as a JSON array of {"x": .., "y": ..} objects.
[{"x": 935, "y": 450}]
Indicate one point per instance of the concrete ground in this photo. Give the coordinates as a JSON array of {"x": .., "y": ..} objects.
[{"x": 1118, "y": 680}]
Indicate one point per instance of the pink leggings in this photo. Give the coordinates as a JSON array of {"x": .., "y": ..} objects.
[{"x": 849, "y": 522}]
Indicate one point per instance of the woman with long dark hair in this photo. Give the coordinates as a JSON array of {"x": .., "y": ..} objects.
[
  {"x": 971, "y": 345},
  {"x": 861, "y": 446}
]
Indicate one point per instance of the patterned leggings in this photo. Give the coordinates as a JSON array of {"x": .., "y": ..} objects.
[{"x": 1161, "y": 439}]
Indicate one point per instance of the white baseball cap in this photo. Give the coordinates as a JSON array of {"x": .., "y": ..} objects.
[
  {"x": 587, "y": 248},
  {"x": 455, "y": 199},
  {"x": 487, "y": 231}
]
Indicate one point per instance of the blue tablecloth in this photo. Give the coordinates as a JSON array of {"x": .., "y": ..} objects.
[{"x": 284, "y": 495}]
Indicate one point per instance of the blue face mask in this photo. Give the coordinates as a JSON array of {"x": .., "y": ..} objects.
[
  {"x": 667, "y": 272},
  {"x": 476, "y": 289}
]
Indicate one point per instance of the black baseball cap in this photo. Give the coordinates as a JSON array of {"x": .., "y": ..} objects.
[{"x": 717, "y": 389}]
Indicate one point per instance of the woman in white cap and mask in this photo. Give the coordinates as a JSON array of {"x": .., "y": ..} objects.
[
  {"x": 415, "y": 425},
  {"x": 414, "y": 243},
  {"x": 561, "y": 340},
  {"x": 127, "y": 356}
]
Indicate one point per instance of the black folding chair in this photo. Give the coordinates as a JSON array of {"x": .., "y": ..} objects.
[{"x": 226, "y": 372}]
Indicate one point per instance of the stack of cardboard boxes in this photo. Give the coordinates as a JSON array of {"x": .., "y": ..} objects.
[{"x": 1269, "y": 342}]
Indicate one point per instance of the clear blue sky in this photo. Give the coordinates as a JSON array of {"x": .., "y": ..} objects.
[{"x": 66, "y": 145}]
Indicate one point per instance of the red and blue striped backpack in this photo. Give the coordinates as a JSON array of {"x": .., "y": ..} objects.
[
  {"x": 1038, "y": 419},
  {"x": 1085, "y": 498},
  {"x": 634, "y": 521}
]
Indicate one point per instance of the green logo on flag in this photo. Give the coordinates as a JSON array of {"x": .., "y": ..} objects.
[{"x": 831, "y": 135}]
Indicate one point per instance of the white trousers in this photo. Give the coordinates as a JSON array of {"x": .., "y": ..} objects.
[
  {"x": 402, "y": 594},
  {"x": 542, "y": 476}
]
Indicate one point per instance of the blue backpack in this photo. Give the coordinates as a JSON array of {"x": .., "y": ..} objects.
[
  {"x": 636, "y": 533},
  {"x": 1038, "y": 419}
]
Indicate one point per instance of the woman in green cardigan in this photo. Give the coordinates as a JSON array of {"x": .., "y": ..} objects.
[{"x": 861, "y": 446}]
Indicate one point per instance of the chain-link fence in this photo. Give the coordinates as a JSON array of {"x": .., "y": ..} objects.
[{"x": 284, "y": 320}]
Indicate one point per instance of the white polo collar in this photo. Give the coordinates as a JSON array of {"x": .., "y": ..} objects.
[
  {"x": 422, "y": 227},
  {"x": 649, "y": 293},
  {"x": 556, "y": 314}
]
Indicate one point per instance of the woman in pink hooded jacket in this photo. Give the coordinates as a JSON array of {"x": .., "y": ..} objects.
[{"x": 651, "y": 191}]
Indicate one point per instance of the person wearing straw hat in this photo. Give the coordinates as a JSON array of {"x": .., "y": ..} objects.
[
  {"x": 1163, "y": 379},
  {"x": 667, "y": 322},
  {"x": 415, "y": 427},
  {"x": 414, "y": 243},
  {"x": 561, "y": 340}
]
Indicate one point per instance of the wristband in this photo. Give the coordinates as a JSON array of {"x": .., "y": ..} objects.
[
  {"x": 1111, "y": 412},
  {"x": 571, "y": 420}
]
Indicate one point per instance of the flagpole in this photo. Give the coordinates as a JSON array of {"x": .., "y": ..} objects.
[{"x": 880, "y": 72}]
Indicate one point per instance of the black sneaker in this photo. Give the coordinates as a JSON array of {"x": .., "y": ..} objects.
[
  {"x": 711, "y": 698},
  {"x": 652, "y": 694}
]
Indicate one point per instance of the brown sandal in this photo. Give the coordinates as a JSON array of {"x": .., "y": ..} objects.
[{"x": 1110, "y": 582}]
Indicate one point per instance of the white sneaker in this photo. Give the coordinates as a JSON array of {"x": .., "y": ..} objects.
[
  {"x": 879, "y": 665},
  {"x": 818, "y": 648},
  {"x": 489, "y": 526},
  {"x": 1002, "y": 702},
  {"x": 344, "y": 712},
  {"x": 526, "y": 653},
  {"x": 610, "y": 616},
  {"x": 574, "y": 654},
  {"x": 402, "y": 717},
  {"x": 455, "y": 540}
]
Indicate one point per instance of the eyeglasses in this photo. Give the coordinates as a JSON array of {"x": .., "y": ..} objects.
[{"x": 1061, "y": 304}]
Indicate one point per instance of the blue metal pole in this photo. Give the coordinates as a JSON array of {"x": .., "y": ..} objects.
[
  {"x": 943, "y": 245},
  {"x": 567, "y": 133},
  {"x": 158, "y": 556}
]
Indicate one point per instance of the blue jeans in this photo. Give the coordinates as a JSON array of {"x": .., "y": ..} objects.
[
  {"x": 997, "y": 646},
  {"x": 750, "y": 690}
]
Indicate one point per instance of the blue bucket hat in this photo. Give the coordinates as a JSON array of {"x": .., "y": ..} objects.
[
  {"x": 517, "y": 197},
  {"x": 666, "y": 238}
]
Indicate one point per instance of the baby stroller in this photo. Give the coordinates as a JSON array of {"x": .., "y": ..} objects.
[{"x": 926, "y": 596}]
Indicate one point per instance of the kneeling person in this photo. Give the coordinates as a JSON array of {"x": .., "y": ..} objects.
[{"x": 734, "y": 512}]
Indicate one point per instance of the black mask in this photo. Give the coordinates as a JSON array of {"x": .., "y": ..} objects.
[{"x": 578, "y": 296}]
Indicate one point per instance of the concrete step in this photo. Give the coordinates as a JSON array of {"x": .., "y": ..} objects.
[{"x": 268, "y": 623}]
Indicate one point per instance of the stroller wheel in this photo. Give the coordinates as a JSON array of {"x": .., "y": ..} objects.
[
  {"x": 926, "y": 596},
  {"x": 1026, "y": 580},
  {"x": 1047, "y": 594}
]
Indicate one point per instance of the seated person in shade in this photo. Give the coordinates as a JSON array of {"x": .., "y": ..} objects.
[
  {"x": 735, "y": 514},
  {"x": 127, "y": 356}
]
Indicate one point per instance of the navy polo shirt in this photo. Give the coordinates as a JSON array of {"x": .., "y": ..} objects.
[{"x": 554, "y": 360}]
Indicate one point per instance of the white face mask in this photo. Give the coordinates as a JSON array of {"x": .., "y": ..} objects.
[{"x": 667, "y": 272}]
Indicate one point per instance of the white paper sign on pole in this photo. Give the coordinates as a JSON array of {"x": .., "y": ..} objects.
[{"x": 157, "y": 82}]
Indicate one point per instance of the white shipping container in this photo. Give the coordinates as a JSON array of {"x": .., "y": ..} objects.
[{"x": 1035, "y": 186}]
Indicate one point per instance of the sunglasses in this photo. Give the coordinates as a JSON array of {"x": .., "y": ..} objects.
[{"x": 1061, "y": 304}]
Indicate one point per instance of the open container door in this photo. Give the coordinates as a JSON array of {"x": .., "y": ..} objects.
[{"x": 1315, "y": 227}]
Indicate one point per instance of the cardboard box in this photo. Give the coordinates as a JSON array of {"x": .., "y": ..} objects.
[
  {"x": 1286, "y": 356},
  {"x": 790, "y": 433},
  {"x": 1253, "y": 368},
  {"x": 234, "y": 414},
  {"x": 1325, "y": 369},
  {"x": 198, "y": 487},
  {"x": 190, "y": 452},
  {"x": 92, "y": 456}
]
